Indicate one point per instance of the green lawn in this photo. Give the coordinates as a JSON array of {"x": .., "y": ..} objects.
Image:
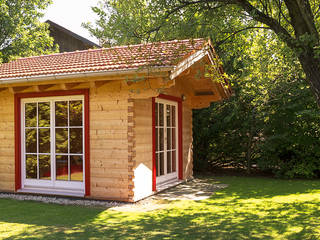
[{"x": 250, "y": 208}]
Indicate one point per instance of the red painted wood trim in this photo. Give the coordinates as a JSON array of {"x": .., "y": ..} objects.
[
  {"x": 17, "y": 140},
  {"x": 180, "y": 141},
  {"x": 52, "y": 93},
  {"x": 154, "y": 170},
  {"x": 87, "y": 142},
  {"x": 17, "y": 122},
  {"x": 171, "y": 98}
]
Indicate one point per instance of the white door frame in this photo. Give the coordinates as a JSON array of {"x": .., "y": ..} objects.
[
  {"x": 51, "y": 186},
  {"x": 173, "y": 175}
]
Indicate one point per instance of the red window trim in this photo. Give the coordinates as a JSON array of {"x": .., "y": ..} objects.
[
  {"x": 17, "y": 127},
  {"x": 180, "y": 157}
]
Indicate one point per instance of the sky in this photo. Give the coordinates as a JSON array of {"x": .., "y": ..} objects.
[{"x": 71, "y": 13}]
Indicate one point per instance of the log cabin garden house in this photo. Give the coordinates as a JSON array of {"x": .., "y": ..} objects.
[{"x": 111, "y": 123}]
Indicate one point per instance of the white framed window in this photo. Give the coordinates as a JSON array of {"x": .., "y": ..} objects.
[
  {"x": 52, "y": 142},
  {"x": 166, "y": 140}
]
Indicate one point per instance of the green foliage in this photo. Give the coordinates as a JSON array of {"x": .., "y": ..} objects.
[
  {"x": 129, "y": 22},
  {"x": 271, "y": 121},
  {"x": 21, "y": 32},
  {"x": 250, "y": 208}
]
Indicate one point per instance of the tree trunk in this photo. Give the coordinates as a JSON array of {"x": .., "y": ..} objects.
[
  {"x": 302, "y": 21},
  {"x": 248, "y": 153},
  {"x": 311, "y": 67}
]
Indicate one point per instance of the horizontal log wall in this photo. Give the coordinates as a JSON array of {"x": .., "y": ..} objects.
[
  {"x": 187, "y": 142},
  {"x": 120, "y": 142},
  {"x": 143, "y": 148},
  {"x": 109, "y": 144},
  {"x": 7, "y": 182}
]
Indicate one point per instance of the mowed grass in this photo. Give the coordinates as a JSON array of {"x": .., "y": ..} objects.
[{"x": 250, "y": 208}]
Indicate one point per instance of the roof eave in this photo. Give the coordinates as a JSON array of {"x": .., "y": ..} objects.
[
  {"x": 87, "y": 74},
  {"x": 189, "y": 61}
]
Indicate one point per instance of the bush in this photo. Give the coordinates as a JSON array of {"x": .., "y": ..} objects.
[{"x": 281, "y": 135}]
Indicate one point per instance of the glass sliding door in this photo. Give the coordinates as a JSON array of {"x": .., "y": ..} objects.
[
  {"x": 53, "y": 143},
  {"x": 166, "y": 129}
]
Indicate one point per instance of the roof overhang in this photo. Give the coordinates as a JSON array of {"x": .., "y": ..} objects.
[
  {"x": 189, "y": 61},
  {"x": 205, "y": 89},
  {"x": 103, "y": 74}
]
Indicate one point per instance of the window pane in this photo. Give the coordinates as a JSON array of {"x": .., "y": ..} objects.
[
  {"x": 168, "y": 138},
  {"x": 44, "y": 167},
  {"x": 31, "y": 114},
  {"x": 168, "y": 109},
  {"x": 161, "y": 164},
  {"x": 156, "y": 113},
  {"x": 173, "y": 115},
  {"x": 44, "y": 114},
  {"x": 31, "y": 166},
  {"x": 173, "y": 138},
  {"x": 62, "y": 167},
  {"x": 76, "y": 168},
  {"x": 61, "y": 114},
  {"x": 169, "y": 162},
  {"x": 61, "y": 140},
  {"x": 31, "y": 140},
  {"x": 157, "y": 164},
  {"x": 161, "y": 114},
  {"x": 75, "y": 113},
  {"x": 44, "y": 140},
  {"x": 161, "y": 139},
  {"x": 157, "y": 139},
  {"x": 75, "y": 140},
  {"x": 174, "y": 162}
]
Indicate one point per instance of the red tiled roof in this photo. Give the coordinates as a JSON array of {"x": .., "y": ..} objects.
[{"x": 159, "y": 54}]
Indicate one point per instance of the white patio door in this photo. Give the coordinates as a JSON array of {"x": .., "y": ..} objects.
[
  {"x": 166, "y": 132},
  {"x": 52, "y": 142}
]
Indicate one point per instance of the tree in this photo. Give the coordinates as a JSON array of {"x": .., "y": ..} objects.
[
  {"x": 21, "y": 32},
  {"x": 271, "y": 122},
  {"x": 294, "y": 22}
]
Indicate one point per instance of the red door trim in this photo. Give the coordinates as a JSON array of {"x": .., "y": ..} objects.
[
  {"x": 180, "y": 157},
  {"x": 17, "y": 127}
]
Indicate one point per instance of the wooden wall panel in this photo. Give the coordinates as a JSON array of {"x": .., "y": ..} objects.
[
  {"x": 120, "y": 142},
  {"x": 187, "y": 142},
  {"x": 143, "y": 148},
  {"x": 7, "y": 141},
  {"x": 109, "y": 145}
]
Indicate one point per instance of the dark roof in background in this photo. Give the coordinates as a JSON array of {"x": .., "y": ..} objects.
[{"x": 82, "y": 39}]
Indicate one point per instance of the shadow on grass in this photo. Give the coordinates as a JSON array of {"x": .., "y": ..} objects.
[{"x": 250, "y": 208}]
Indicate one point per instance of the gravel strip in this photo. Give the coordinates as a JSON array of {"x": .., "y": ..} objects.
[
  {"x": 62, "y": 200},
  {"x": 197, "y": 189}
]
